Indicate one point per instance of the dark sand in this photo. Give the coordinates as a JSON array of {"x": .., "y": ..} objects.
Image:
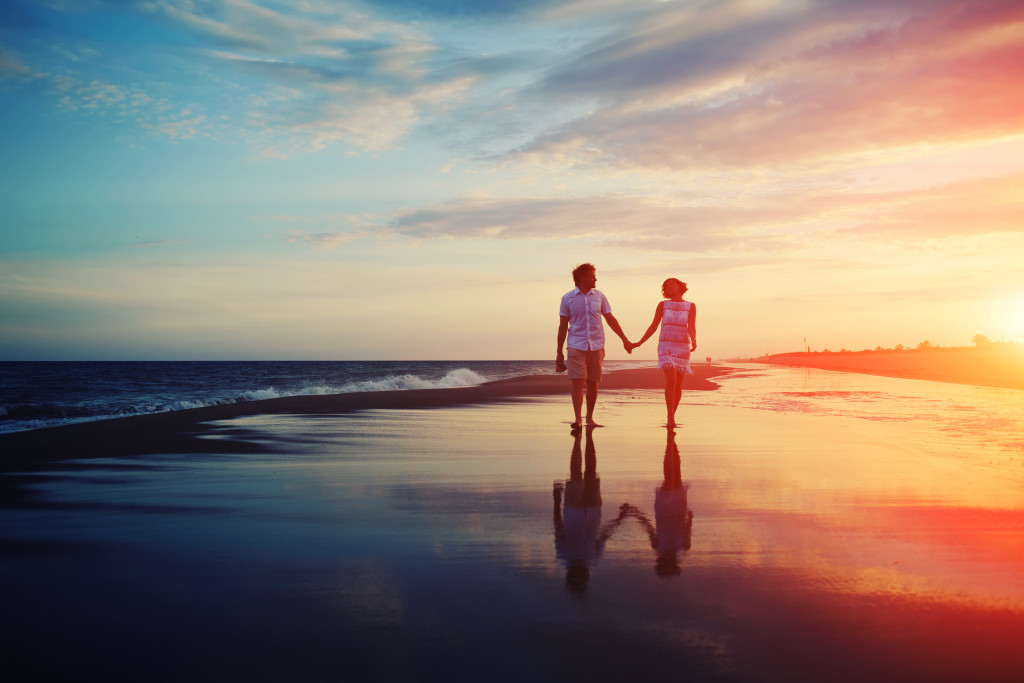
[{"x": 464, "y": 534}]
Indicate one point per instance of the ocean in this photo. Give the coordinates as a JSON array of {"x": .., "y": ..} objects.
[{"x": 34, "y": 395}]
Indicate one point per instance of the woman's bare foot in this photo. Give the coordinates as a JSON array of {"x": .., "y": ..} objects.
[{"x": 591, "y": 424}]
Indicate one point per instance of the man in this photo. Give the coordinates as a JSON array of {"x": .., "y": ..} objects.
[{"x": 579, "y": 321}]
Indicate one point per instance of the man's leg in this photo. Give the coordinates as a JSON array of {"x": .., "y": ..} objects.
[
  {"x": 595, "y": 363},
  {"x": 591, "y": 403},
  {"x": 577, "y": 401}
]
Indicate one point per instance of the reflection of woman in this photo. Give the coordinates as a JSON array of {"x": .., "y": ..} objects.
[
  {"x": 673, "y": 521},
  {"x": 672, "y": 518},
  {"x": 578, "y": 542},
  {"x": 670, "y": 532},
  {"x": 678, "y": 320}
]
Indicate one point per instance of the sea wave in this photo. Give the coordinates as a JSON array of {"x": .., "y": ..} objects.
[
  {"x": 462, "y": 377},
  {"x": 24, "y": 416}
]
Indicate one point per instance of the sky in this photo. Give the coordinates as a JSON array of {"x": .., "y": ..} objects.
[{"x": 416, "y": 179}]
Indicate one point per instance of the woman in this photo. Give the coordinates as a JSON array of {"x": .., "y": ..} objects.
[{"x": 678, "y": 320}]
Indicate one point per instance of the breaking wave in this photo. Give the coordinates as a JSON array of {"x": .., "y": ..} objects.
[{"x": 34, "y": 415}]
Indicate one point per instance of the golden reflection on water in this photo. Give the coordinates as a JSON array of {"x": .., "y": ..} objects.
[{"x": 912, "y": 494}]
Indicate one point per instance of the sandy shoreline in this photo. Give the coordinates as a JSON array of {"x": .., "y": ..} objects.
[
  {"x": 998, "y": 367},
  {"x": 180, "y": 431}
]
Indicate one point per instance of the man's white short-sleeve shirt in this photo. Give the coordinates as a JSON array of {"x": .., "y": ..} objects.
[{"x": 586, "y": 331}]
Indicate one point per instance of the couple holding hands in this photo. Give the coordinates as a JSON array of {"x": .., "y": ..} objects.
[{"x": 580, "y": 323}]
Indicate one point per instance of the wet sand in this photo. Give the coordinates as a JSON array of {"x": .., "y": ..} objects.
[
  {"x": 479, "y": 539},
  {"x": 182, "y": 431}
]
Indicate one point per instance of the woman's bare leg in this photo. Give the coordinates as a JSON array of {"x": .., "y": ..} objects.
[
  {"x": 673, "y": 392},
  {"x": 678, "y": 394}
]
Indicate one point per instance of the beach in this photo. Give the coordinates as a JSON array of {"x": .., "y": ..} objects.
[
  {"x": 993, "y": 365},
  {"x": 800, "y": 525}
]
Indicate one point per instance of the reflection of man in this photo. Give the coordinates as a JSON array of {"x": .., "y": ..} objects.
[
  {"x": 673, "y": 520},
  {"x": 579, "y": 322},
  {"x": 578, "y": 515}
]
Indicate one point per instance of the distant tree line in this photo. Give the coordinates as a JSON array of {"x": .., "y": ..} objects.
[{"x": 980, "y": 342}]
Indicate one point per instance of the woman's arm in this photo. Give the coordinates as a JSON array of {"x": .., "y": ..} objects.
[
  {"x": 692, "y": 327},
  {"x": 658, "y": 312}
]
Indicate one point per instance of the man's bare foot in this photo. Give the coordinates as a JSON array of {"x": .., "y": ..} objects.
[{"x": 591, "y": 424}]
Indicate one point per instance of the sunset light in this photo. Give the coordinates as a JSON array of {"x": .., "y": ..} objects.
[
  {"x": 523, "y": 341},
  {"x": 258, "y": 178}
]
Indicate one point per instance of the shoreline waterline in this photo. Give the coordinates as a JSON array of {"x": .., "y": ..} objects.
[{"x": 178, "y": 431}]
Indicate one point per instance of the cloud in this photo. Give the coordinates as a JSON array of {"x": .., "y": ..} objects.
[
  {"x": 326, "y": 240},
  {"x": 156, "y": 243},
  {"x": 970, "y": 207},
  {"x": 323, "y": 75},
  {"x": 465, "y": 9},
  {"x": 655, "y": 86},
  {"x": 717, "y": 84},
  {"x": 788, "y": 220},
  {"x": 278, "y": 77},
  {"x": 611, "y": 220},
  {"x": 11, "y": 65}
]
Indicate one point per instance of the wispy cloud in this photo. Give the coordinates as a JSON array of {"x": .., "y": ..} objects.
[
  {"x": 328, "y": 240},
  {"x": 321, "y": 74},
  {"x": 11, "y": 65},
  {"x": 278, "y": 76},
  {"x": 731, "y": 83},
  {"x": 652, "y": 85},
  {"x": 156, "y": 243},
  {"x": 782, "y": 221},
  {"x": 970, "y": 207}
]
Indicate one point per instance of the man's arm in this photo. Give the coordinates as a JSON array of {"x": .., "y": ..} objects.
[
  {"x": 563, "y": 330},
  {"x": 659, "y": 311},
  {"x": 617, "y": 329}
]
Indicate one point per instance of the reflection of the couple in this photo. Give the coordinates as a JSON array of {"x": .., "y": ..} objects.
[{"x": 579, "y": 536}]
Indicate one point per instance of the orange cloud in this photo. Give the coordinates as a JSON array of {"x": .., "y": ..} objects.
[{"x": 837, "y": 82}]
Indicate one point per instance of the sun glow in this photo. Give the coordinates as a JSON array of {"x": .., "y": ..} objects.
[{"x": 1015, "y": 317}]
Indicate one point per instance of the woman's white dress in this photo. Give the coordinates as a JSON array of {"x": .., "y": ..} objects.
[{"x": 674, "y": 342}]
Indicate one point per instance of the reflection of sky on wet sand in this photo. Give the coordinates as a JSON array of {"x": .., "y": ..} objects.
[{"x": 850, "y": 531}]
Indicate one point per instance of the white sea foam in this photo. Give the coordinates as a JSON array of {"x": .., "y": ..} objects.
[
  {"x": 41, "y": 414},
  {"x": 462, "y": 377}
]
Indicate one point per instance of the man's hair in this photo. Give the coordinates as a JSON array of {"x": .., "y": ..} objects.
[{"x": 579, "y": 270}]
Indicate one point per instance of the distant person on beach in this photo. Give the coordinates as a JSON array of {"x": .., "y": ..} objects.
[
  {"x": 579, "y": 322},
  {"x": 678, "y": 320}
]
